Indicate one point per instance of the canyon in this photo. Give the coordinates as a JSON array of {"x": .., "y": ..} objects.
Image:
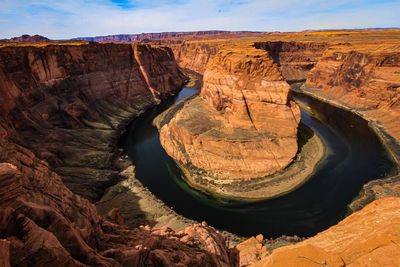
[
  {"x": 61, "y": 109},
  {"x": 64, "y": 105}
]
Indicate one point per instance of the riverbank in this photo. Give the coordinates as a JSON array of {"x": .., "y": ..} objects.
[
  {"x": 311, "y": 151},
  {"x": 376, "y": 189},
  {"x": 137, "y": 204}
]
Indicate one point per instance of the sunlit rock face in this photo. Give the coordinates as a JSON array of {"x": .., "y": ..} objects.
[
  {"x": 369, "y": 237},
  {"x": 244, "y": 123},
  {"x": 364, "y": 76}
]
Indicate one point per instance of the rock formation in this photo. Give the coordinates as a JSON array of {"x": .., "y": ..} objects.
[
  {"x": 294, "y": 59},
  {"x": 365, "y": 77},
  {"x": 195, "y": 55},
  {"x": 244, "y": 125}
]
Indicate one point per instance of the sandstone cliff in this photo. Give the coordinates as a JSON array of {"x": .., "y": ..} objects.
[
  {"x": 195, "y": 55},
  {"x": 244, "y": 125},
  {"x": 365, "y": 77},
  {"x": 60, "y": 111},
  {"x": 294, "y": 59},
  {"x": 65, "y": 102}
]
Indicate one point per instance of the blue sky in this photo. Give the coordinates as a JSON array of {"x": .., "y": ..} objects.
[{"x": 72, "y": 18}]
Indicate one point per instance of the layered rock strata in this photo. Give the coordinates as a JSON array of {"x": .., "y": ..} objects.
[
  {"x": 67, "y": 102},
  {"x": 243, "y": 126},
  {"x": 61, "y": 109},
  {"x": 294, "y": 59},
  {"x": 365, "y": 77},
  {"x": 195, "y": 55}
]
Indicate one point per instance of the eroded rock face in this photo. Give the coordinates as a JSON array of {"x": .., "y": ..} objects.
[
  {"x": 195, "y": 55},
  {"x": 65, "y": 102},
  {"x": 60, "y": 110},
  {"x": 369, "y": 237},
  {"x": 244, "y": 124},
  {"x": 364, "y": 76},
  {"x": 294, "y": 59}
]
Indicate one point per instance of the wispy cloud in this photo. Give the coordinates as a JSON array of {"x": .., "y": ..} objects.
[{"x": 71, "y": 18}]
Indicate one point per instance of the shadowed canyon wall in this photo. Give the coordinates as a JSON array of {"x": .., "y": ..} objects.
[
  {"x": 61, "y": 108},
  {"x": 294, "y": 59},
  {"x": 50, "y": 92}
]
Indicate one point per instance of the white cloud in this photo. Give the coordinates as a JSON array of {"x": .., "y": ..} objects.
[{"x": 72, "y": 18}]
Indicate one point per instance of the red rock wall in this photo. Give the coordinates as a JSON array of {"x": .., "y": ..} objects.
[
  {"x": 60, "y": 96},
  {"x": 294, "y": 59},
  {"x": 365, "y": 77},
  {"x": 73, "y": 87},
  {"x": 55, "y": 85},
  {"x": 195, "y": 55}
]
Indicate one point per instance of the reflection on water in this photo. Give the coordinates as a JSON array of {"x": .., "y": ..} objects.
[{"x": 355, "y": 157}]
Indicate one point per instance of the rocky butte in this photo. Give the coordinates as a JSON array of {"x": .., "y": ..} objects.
[{"x": 244, "y": 125}]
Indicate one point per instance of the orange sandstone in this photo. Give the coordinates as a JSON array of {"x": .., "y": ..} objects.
[
  {"x": 370, "y": 237},
  {"x": 244, "y": 125}
]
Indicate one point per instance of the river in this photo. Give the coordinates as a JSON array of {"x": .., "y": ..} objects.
[{"x": 355, "y": 156}]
